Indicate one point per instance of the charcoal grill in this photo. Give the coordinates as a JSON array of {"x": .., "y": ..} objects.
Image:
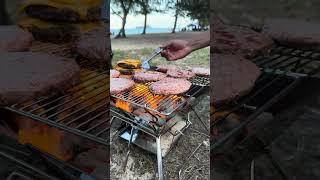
[
  {"x": 164, "y": 115},
  {"x": 26, "y": 162},
  {"x": 283, "y": 70},
  {"x": 83, "y": 110}
]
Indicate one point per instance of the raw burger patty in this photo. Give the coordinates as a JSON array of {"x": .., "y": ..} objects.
[
  {"x": 26, "y": 75},
  {"x": 114, "y": 73},
  {"x": 149, "y": 76},
  {"x": 235, "y": 40},
  {"x": 201, "y": 71},
  {"x": 293, "y": 32},
  {"x": 119, "y": 85},
  {"x": 232, "y": 77},
  {"x": 14, "y": 39},
  {"x": 94, "y": 46},
  {"x": 170, "y": 86},
  {"x": 165, "y": 68},
  {"x": 180, "y": 74}
]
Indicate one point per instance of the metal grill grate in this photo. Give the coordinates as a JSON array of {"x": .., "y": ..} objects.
[
  {"x": 83, "y": 110},
  {"x": 142, "y": 97},
  {"x": 269, "y": 89},
  {"x": 287, "y": 59}
]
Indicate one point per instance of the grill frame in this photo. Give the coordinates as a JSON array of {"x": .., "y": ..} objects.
[
  {"x": 64, "y": 50},
  {"x": 284, "y": 63}
]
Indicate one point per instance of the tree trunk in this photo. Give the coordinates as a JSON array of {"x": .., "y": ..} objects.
[
  {"x": 145, "y": 24},
  {"x": 122, "y": 32},
  {"x": 175, "y": 22},
  {"x": 4, "y": 17}
]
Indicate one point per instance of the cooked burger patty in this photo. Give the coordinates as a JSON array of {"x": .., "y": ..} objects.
[
  {"x": 149, "y": 76},
  {"x": 201, "y": 71},
  {"x": 94, "y": 46},
  {"x": 14, "y": 39},
  {"x": 180, "y": 74},
  {"x": 296, "y": 33},
  {"x": 114, "y": 73},
  {"x": 120, "y": 85},
  {"x": 164, "y": 68},
  {"x": 50, "y": 13},
  {"x": 170, "y": 86},
  {"x": 236, "y": 40},
  {"x": 232, "y": 77},
  {"x": 25, "y": 75}
]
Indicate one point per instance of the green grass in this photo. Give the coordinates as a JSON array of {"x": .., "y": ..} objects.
[{"x": 199, "y": 58}]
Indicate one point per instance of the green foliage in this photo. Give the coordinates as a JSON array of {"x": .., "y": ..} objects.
[{"x": 196, "y": 10}]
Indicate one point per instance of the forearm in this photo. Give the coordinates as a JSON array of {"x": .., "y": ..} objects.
[{"x": 199, "y": 41}]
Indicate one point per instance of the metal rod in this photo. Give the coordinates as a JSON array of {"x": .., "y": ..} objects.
[{"x": 159, "y": 158}]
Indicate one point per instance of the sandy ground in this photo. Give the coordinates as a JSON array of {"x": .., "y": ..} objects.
[{"x": 148, "y": 40}]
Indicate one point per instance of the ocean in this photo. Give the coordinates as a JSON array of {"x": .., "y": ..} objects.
[{"x": 134, "y": 31}]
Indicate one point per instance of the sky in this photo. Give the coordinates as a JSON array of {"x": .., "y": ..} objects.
[{"x": 155, "y": 20}]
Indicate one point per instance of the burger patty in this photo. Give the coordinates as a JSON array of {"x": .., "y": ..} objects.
[
  {"x": 296, "y": 33},
  {"x": 14, "y": 39},
  {"x": 149, "y": 76},
  {"x": 180, "y": 73},
  {"x": 26, "y": 75},
  {"x": 114, "y": 73},
  {"x": 170, "y": 86},
  {"x": 235, "y": 40},
  {"x": 49, "y": 13},
  {"x": 201, "y": 71},
  {"x": 95, "y": 46},
  {"x": 232, "y": 77},
  {"x": 164, "y": 68},
  {"x": 120, "y": 85}
]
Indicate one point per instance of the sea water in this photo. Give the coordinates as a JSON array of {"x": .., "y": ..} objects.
[{"x": 135, "y": 31}]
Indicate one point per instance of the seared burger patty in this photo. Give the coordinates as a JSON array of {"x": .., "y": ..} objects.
[
  {"x": 232, "y": 77},
  {"x": 235, "y": 40},
  {"x": 26, "y": 75},
  {"x": 94, "y": 46},
  {"x": 296, "y": 33},
  {"x": 14, "y": 39},
  {"x": 114, "y": 73},
  {"x": 164, "y": 68},
  {"x": 180, "y": 74},
  {"x": 120, "y": 85},
  {"x": 50, "y": 13},
  {"x": 148, "y": 76},
  {"x": 201, "y": 71},
  {"x": 170, "y": 86}
]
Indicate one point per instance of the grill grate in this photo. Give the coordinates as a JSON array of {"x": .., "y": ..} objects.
[
  {"x": 142, "y": 97},
  {"x": 83, "y": 110},
  {"x": 287, "y": 59},
  {"x": 269, "y": 89}
]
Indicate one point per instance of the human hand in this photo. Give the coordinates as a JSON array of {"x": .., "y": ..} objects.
[{"x": 176, "y": 49}]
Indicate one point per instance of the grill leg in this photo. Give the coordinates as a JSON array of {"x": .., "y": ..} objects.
[
  {"x": 129, "y": 150},
  {"x": 159, "y": 159},
  {"x": 199, "y": 118}
]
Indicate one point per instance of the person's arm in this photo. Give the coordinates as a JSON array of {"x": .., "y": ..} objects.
[{"x": 178, "y": 49}]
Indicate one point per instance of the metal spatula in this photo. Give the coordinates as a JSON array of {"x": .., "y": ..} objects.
[{"x": 145, "y": 62}]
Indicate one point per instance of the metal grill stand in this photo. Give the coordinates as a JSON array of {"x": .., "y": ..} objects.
[{"x": 138, "y": 131}]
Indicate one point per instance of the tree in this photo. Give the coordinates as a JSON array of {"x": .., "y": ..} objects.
[
  {"x": 173, "y": 5},
  {"x": 4, "y": 17},
  {"x": 122, "y": 8},
  {"x": 196, "y": 10},
  {"x": 145, "y": 7}
]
